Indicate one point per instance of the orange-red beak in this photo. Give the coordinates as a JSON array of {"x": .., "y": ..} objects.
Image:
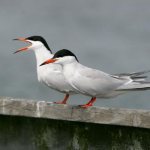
[
  {"x": 48, "y": 61},
  {"x": 24, "y": 48}
]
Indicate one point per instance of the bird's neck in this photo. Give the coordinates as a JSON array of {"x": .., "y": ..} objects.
[
  {"x": 70, "y": 69},
  {"x": 42, "y": 54}
]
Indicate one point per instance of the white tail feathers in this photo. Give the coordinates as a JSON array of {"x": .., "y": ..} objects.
[
  {"x": 135, "y": 86},
  {"x": 137, "y": 81}
]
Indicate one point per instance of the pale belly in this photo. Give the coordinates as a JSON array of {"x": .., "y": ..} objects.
[{"x": 54, "y": 79}]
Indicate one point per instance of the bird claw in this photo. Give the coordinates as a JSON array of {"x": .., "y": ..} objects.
[
  {"x": 85, "y": 106},
  {"x": 60, "y": 102},
  {"x": 64, "y": 101}
]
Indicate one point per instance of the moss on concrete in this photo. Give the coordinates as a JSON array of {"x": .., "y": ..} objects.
[{"x": 21, "y": 133}]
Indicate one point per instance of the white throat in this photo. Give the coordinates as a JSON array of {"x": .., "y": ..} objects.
[
  {"x": 69, "y": 69},
  {"x": 42, "y": 54}
]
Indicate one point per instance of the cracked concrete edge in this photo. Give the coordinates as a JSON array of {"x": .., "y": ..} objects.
[{"x": 99, "y": 115}]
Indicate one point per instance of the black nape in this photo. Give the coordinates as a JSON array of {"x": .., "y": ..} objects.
[{"x": 64, "y": 52}]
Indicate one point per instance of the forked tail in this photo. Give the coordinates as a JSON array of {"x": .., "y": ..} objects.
[{"x": 137, "y": 81}]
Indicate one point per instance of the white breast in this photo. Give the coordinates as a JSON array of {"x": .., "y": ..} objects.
[{"x": 50, "y": 74}]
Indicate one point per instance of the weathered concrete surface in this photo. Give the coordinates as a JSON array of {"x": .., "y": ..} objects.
[
  {"x": 24, "y": 133},
  {"x": 100, "y": 115}
]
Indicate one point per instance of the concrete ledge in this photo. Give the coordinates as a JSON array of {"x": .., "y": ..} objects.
[{"x": 99, "y": 115}]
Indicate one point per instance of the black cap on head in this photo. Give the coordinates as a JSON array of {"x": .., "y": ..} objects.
[
  {"x": 64, "y": 52},
  {"x": 41, "y": 39}
]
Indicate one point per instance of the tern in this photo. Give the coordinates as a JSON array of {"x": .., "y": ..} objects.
[
  {"x": 50, "y": 75},
  {"x": 96, "y": 83}
]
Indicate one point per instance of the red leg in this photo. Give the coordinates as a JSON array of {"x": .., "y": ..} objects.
[
  {"x": 64, "y": 100},
  {"x": 90, "y": 103}
]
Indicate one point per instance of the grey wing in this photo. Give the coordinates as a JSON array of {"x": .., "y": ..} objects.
[
  {"x": 100, "y": 75},
  {"x": 96, "y": 81}
]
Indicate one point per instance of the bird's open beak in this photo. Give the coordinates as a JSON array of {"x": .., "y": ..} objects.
[
  {"x": 48, "y": 61},
  {"x": 24, "y": 48}
]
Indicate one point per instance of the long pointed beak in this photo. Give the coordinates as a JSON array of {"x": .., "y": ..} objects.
[
  {"x": 20, "y": 39},
  {"x": 21, "y": 49},
  {"x": 24, "y": 48},
  {"x": 48, "y": 61}
]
